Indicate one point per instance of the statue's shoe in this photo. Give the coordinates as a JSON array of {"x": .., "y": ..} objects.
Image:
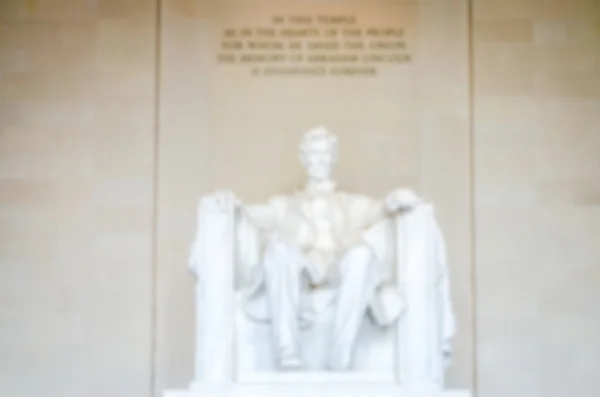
[
  {"x": 340, "y": 358},
  {"x": 290, "y": 363}
]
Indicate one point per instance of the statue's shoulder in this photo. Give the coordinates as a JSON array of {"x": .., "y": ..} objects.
[
  {"x": 278, "y": 199},
  {"x": 353, "y": 197},
  {"x": 278, "y": 202}
]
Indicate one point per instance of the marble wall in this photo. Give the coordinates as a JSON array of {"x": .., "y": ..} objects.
[
  {"x": 536, "y": 112},
  {"x": 113, "y": 122},
  {"x": 77, "y": 166}
]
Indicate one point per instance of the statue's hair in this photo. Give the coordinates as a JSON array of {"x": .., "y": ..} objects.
[{"x": 318, "y": 134}]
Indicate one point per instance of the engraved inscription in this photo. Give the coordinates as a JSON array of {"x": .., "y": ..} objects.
[{"x": 313, "y": 45}]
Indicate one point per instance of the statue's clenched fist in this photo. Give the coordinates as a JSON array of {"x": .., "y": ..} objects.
[
  {"x": 401, "y": 200},
  {"x": 220, "y": 201}
]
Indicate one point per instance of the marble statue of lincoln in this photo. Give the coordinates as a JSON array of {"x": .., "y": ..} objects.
[{"x": 314, "y": 239}]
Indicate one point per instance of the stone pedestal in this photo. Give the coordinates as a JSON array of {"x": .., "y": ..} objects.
[{"x": 314, "y": 385}]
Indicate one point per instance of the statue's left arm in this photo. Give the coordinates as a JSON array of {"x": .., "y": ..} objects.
[
  {"x": 448, "y": 324},
  {"x": 373, "y": 211}
]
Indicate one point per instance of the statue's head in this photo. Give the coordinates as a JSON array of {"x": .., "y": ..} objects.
[{"x": 318, "y": 153}]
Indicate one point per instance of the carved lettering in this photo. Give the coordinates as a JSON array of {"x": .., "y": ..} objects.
[{"x": 314, "y": 45}]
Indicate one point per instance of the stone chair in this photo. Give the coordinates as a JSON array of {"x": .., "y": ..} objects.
[{"x": 413, "y": 352}]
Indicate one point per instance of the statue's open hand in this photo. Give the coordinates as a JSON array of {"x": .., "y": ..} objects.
[
  {"x": 220, "y": 201},
  {"x": 401, "y": 200}
]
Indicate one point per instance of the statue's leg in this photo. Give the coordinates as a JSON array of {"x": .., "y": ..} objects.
[
  {"x": 283, "y": 271},
  {"x": 358, "y": 277}
]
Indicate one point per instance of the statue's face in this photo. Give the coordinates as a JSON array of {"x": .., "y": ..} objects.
[{"x": 318, "y": 159}]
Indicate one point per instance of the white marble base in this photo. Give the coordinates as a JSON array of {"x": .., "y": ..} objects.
[{"x": 317, "y": 385}]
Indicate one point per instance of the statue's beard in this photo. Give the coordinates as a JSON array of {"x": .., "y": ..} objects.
[
  {"x": 325, "y": 185},
  {"x": 319, "y": 175}
]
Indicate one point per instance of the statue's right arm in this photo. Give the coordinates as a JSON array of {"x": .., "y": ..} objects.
[
  {"x": 211, "y": 218},
  {"x": 255, "y": 218},
  {"x": 252, "y": 224},
  {"x": 263, "y": 216}
]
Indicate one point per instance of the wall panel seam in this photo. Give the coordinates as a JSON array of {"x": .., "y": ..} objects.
[{"x": 153, "y": 386}]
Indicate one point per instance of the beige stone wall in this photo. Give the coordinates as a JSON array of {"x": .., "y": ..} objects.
[
  {"x": 97, "y": 210},
  {"x": 537, "y": 184},
  {"x": 76, "y": 197}
]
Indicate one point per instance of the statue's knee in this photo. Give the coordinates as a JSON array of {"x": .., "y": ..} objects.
[
  {"x": 361, "y": 256},
  {"x": 279, "y": 256},
  {"x": 277, "y": 244},
  {"x": 275, "y": 250}
]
